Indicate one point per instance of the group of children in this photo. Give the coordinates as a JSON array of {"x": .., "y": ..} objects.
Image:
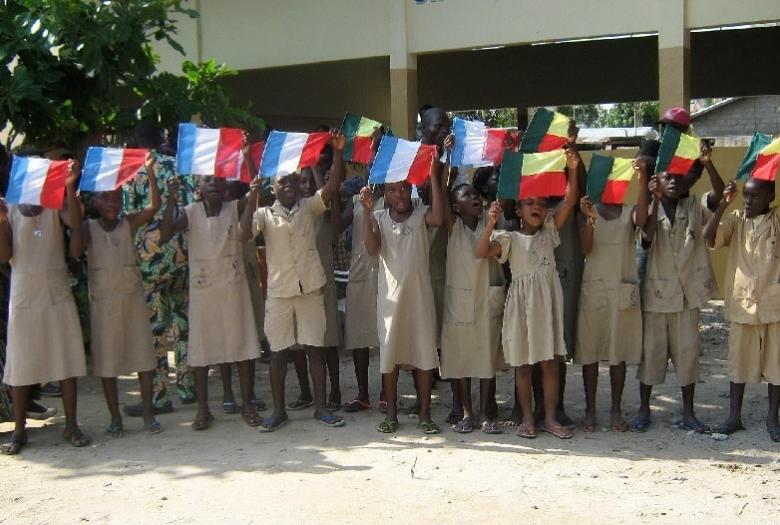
[{"x": 455, "y": 281}]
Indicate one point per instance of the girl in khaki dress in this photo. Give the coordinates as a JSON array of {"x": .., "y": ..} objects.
[
  {"x": 121, "y": 334},
  {"x": 44, "y": 336},
  {"x": 473, "y": 307},
  {"x": 609, "y": 325},
  {"x": 222, "y": 324},
  {"x": 533, "y": 315},
  {"x": 406, "y": 319}
]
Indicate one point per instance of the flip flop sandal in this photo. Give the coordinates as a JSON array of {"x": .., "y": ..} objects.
[
  {"x": 774, "y": 434},
  {"x": 356, "y": 405},
  {"x": 698, "y": 427},
  {"x": 388, "y": 426},
  {"x": 230, "y": 407},
  {"x": 382, "y": 406},
  {"x": 453, "y": 418},
  {"x": 300, "y": 404},
  {"x": 78, "y": 439},
  {"x": 429, "y": 427},
  {"x": 259, "y": 405},
  {"x": 511, "y": 422},
  {"x": 728, "y": 428},
  {"x": 154, "y": 427},
  {"x": 491, "y": 427},
  {"x": 253, "y": 420},
  {"x": 115, "y": 430},
  {"x": 619, "y": 427},
  {"x": 13, "y": 447},
  {"x": 333, "y": 406},
  {"x": 524, "y": 432},
  {"x": 331, "y": 420},
  {"x": 560, "y": 433},
  {"x": 272, "y": 424},
  {"x": 464, "y": 426},
  {"x": 565, "y": 420},
  {"x": 640, "y": 424},
  {"x": 202, "y": 423},
  {"x": 588, "y": 428},
  {"x": 40, "y": 416}
]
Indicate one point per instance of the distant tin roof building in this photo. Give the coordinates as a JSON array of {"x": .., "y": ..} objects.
[{"x": 734, "y": 120}]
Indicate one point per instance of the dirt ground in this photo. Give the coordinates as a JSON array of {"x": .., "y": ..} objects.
[{"x": 309, "y": 473}]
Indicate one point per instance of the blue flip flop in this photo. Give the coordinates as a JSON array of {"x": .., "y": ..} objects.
[{"x": 331, "y": 420}]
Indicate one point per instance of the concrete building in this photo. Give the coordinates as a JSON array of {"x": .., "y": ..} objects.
[
  {"x": 739, "y": 117},
  {"x": 303, "y": 62}
]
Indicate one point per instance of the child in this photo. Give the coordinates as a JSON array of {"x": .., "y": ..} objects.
[
  {"x": 44, "y": 337},
  {"x": 121, "y": 334},
  {"x": 679, "y": 281},
  {"x": 609, "y": 298},
  {"x": 360, "y": 327},
  {"x": 533, "y": 316},
  {"x": 222, "y": 324},
  {"x": 752, "y": 295},
  {"x": 473, "y": 307},
  {"x": 406, "y": 317},
  {"x": 235, "y": 190},
  {"x": 295, "y": 313},
  {"x": 327, "y": 225}
]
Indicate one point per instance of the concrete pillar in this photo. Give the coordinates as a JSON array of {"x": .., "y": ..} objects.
[
  {"x": 403, "y": 74},
  {"x": 674, "y": 56}
]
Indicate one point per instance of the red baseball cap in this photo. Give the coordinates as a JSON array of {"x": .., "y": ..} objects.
[{"x": 678, "y": 117}]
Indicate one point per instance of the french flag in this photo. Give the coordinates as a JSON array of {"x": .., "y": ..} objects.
[
  {"x": 37, "y": 181},
  {"x": 470, "y": 141},
  {"x": 401, "y": 160},
  {"x": 206, "y": 151},
  {"x": 286, "y": 152},
  {"x": 106, "y": 169},
  {"x": 256, "y": 152}
]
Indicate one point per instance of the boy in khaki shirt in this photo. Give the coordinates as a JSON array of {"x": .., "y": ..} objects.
[
  {"x": 752, "y": 295},
  {"x": 295, "y": 311},
  {"x": 678, "y": 282}
]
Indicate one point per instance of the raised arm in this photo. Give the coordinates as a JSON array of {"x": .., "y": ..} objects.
[
  {"x": 75, "y": 217},
  {"x": 252, "y": 201},
  {"x": 155, "y": 201},
  {"x": 169, "y": 225},
  {"x": 6, "y": 240},
  {"x": 711, "y": 228},
  {"x": 435, "y": 214},
  {"x": 565, "y": 209},
  {"x": 246, "y": 149},
  {"x": 447, "y": 183},
  {"x": 371, "y": 237},
  {"x": 485, "y": 247},
  {"x": 713, "y": 197},
  {"x": 587, "y": 224},
  {"x": 648, "y": 233},
  {"x": 643, "y": 199},
  {"x": 333, "y": 186}
]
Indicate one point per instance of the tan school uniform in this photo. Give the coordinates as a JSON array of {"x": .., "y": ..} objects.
[
  {"x": 679, "y": 281},
  {"x": 325, "y": 236},
  {"x": 406, "y": 319},
  {"x": 474, "y": 298},
  {"x": 533, "y": 314},
  {"x": 252, "y": 269},
  {"x": 752, "y": 295},
  {"x": 222, "y": 323},
  {"x": 609, "y": 325},
  {"x": 44, "y": 336},
  {"x": 121, "y": 334},
  {"x": 294, "y": 308},
  {"x": 360, "y": 329}
]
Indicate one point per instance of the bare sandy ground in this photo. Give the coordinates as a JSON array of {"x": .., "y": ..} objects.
[{"x": 309, "y": 473}]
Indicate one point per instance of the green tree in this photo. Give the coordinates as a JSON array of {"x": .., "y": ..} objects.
[
  {"x": 629, "y": 114},
  {"x": 586, "y": 115}
]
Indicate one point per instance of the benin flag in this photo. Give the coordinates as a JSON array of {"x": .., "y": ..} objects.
[
  {"x": 526, "y": 175},
  {"x": 547, "y": 131},
  {"x": 608, "y": 179},
  {"x": 678, "y": 152},
  {"x": 762, "y": 158},
  {"x": 359, "y": 134}
]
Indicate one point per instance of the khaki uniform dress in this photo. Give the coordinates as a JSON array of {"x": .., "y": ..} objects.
[
  {"x": 679, "y": 281},
  {"x": 533, "y": 315},
  {"x": 473, "y": 308},
  {"x": 325, "y": 237},
  {"x": 406, "y": 319},
  {"x": 752, "y": 295},
  {"x": 252, "y": 269},
  {"x": 222, "y": 323},
  {"x": 360, "y": 329},
  {"x": 121, "y": 334},
  {"x": 44, "y": 336},
  {"x": 609, "y": 326},
  {"x": 294, "y": 308}
]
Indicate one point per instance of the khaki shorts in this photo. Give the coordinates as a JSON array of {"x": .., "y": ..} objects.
[
  {"x": 672, "y": 336},
  {"x": 754, "y": 353},
  {"x": 295, "y": 320}
]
